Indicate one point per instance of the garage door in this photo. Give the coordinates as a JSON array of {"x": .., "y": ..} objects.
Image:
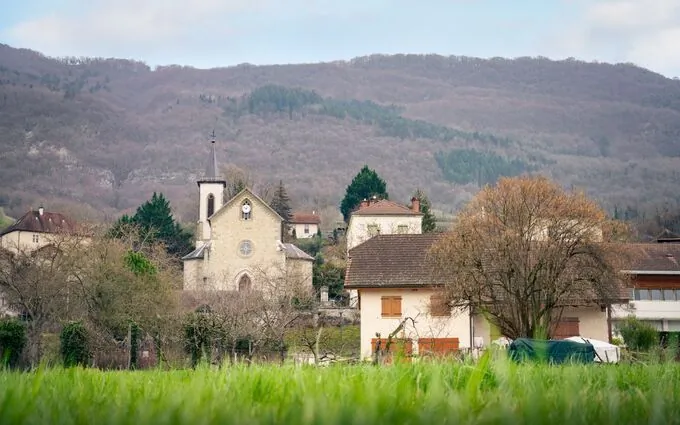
[
  {"x": 404, "y": 347},
  {"x": 566, "y": 328},
  {"x": 437, "y": 347}
]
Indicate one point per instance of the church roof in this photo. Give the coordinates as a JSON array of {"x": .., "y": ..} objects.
[
  {"x": 295, "y": 253},
  {"x": 197, "y": 253},
  {"x": 251, "y": 194}
]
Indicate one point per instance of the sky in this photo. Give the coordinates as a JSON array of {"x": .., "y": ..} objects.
[{"x": 212, "y": 33}]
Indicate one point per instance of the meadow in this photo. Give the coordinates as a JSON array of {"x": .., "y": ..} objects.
[{"x": 443, "y": 393}]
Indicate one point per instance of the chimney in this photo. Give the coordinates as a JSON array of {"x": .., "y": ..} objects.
[
  {"x": 363, "y": 204},
  {"x": 41, "y": 210},
  {"x": 415, "y": 204}
]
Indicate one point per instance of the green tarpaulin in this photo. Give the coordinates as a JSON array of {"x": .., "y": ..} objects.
[{"x": 553, "y": 351}]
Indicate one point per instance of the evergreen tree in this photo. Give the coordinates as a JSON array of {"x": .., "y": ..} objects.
[
  {"x": 429, "y": 221},
  {"x": 281, "y": 204},
  {"x": 365, "y": 185},
  {"x": 155, "y": 222}
]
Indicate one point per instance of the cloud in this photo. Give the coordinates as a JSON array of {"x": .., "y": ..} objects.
[
  {"x": 644, "y": 32},
  {"x": 116, "y": 26}
]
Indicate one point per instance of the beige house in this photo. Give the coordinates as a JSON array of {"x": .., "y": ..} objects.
[
  {"x": 238, "y": 244},
  {"x": 304, "y": 225},
  {"x": 34, "y": 230},
  {"x": 394, "y": 286},
  {"x": 381, "y": 217}
]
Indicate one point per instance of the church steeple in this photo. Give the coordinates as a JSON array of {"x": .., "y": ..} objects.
[
  {"x": 210, "y": 193},
  {"x": 212, "y": 172}
]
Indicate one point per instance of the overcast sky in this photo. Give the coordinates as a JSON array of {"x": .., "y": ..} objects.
[{"x": 208, "y": 33}]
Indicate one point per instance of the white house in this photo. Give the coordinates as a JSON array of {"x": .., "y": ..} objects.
[
  {"x": 655, "y": 291},
  {"x": 381, "y": 217},
  {"x": 305, "y": 225},
  {"x": 30, "y": 232},
  {"x": 394, "y": 285}
]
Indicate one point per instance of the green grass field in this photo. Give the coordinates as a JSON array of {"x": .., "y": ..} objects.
[{"x": 442, "y": 393}]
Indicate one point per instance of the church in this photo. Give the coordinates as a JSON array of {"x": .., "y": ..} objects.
[{"x": 239, "y": 242}]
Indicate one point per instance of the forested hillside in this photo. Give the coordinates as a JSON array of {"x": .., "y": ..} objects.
[{"x": 98, "y": 136}]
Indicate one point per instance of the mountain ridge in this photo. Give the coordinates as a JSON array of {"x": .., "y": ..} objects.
[{"x": 102, "y": 134}]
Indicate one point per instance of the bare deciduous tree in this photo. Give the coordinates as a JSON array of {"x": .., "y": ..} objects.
[
  {"x": 287, "y": 296},
  {"x": 524, "y": 250}
]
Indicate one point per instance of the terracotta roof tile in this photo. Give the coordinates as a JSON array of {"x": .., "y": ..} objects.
[
  {"x": 385, "y": 207},
  {"x": 48, "y": 222},
  {"x": 305, "y": 218}
]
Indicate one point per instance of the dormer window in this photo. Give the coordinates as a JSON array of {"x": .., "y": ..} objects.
[
  {"x": 246, "y": 210},
  {"x": 211, "y": 204}
]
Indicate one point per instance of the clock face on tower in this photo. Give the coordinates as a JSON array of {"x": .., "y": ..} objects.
[{"x": 245, "y": 208}]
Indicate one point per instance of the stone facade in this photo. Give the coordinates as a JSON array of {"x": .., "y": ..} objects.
[{"x": 239, "y": 243}]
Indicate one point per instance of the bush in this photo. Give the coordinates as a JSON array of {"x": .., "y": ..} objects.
[
  {"x": 639, "y": 335},
  {"x": 75, "y": 350},
  {"x": 12, "y": 341}
]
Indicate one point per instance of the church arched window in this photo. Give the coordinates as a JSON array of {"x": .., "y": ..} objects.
[
  {"x": 246, "y": 210},
  {"x": 244, "y": 283},
  {"x": 211, "y": 204}
]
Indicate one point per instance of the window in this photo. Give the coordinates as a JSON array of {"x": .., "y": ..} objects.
[
  {"x": 373, "y": 230},
  {"x": 402, "y": 229},
  {"x": 36, "y": 239},
  {"x": 668, "y": 295},
  {"x": 306, "y": 229},
  {"x": 244, "y": 283},
  {"x": 211, "y": 205},
  {"x": 391, "y": 306},
  {"x": 245, "y": 248},
  {"x": 642, "y": 295},
  {"x": 246, "y": 210},
  {"x": 656, "y": 294},
  {"x": 439, "y": 307}
]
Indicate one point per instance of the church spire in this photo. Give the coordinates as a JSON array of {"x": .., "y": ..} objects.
[{"x": 212, "y": 170}]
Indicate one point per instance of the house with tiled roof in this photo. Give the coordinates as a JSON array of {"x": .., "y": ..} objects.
[
  {"x": 655, "y": 284},
  {"x": 304, "y": 225},
  {"x": 393, "y": 282},
  {"x": 33, "y": 230},
  {"x": 381, "y": 217}
]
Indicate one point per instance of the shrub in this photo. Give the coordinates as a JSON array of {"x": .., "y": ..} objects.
[
  {"x": 75, "y": 350},
  {"x": 638, "y": 335},
  {"x": 12, "y": 341},
  {"x": 198, "y": 337}
]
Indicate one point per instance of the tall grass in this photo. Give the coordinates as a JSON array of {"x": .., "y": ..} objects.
[{"x": 489, "y": 393}]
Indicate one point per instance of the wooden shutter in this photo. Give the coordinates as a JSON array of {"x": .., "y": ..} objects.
[{"x": 391, "y": 306}]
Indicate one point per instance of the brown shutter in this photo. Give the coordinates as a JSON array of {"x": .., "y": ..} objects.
[
  {"x": 567, "y": 327},
  {"x": 396, "y": 306},
  {"x": 386, "y": 306}
]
